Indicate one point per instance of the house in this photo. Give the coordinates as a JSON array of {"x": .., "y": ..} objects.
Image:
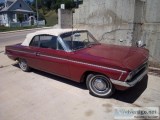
[{"x": 16, "y": 13}]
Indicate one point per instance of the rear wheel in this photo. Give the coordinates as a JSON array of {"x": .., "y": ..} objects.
[
  {"x": 23, "y": 65},
  {"x": 99, "y": 85}
]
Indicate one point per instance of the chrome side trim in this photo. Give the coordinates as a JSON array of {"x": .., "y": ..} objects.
[
  {"x": 82, "y": 63},
  {"x": 98, "y": 66},
  {"x": 129, "y": 84},
  {"x": 23, "y": 51},
  {"x": 120, "y": 76}
]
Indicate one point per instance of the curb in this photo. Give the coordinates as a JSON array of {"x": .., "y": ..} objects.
[
  {"x": 154, "y": 71},
  {"x": 154, "y": 68},
  {"x": 25, "y": 30}
]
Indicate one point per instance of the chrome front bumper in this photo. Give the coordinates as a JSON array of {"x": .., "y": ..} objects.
[{"x": 130, "y": 84}]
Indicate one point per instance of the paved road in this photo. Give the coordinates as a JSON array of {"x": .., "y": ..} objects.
[
  {"x": 40, "y": 96},
  {"x": 4, "y": 38},
  {"x": 15, "y": 37}
]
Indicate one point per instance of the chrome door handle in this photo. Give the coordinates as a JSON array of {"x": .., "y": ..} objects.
[{"x": 37, "y": 53}]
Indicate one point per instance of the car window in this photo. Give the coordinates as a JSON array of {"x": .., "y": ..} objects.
[
  {"x": 78, "y": 39},
  {"x": 46, "y": 41},
  {"x": 35, "y": 41}
]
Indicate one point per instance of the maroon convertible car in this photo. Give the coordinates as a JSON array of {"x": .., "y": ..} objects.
[{"x": 76, "y": 55}]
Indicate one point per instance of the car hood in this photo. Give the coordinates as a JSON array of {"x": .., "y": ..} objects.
[{"x": 116, "y": 56}]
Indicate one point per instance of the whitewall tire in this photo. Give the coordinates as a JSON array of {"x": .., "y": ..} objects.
[{"x": 99, "y": 85}]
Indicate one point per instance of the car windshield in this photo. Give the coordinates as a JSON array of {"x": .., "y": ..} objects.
[{"x": 78, "y": 39}]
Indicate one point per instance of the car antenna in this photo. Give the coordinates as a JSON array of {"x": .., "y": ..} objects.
[{"x": 72, "y": 32}]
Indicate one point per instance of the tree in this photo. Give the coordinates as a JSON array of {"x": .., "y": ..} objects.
[
  {"x": 1, "y": 5},
  {"x": 20, "y": 17},
  {"x": 39, "y": 3},
  {"x": 28, "y": 2},
  {"x": 49, "y": 3},
  {"x": 53, "y": 4},
  {"x": 69, "y": 4}
]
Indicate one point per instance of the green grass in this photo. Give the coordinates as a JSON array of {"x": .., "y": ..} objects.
[
  {"x": 51, "y": 18},
  {"x": 5, "y": 29}
]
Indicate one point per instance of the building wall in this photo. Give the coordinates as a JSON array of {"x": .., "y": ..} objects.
[
  {"x": 0, "y": 19},
  {"x": 148, "y": 28},
  {"x": 20, "y": 4},
  {"x": 122, "y": 22},
  {"x": 4, "y": 19},
  {"x": 7, "y": 17},
  {"x": 64, "y": 18},
  {"x": 110, "y": 21}
]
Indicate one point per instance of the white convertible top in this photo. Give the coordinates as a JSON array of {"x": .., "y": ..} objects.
[{"x": 55, "y": 32}]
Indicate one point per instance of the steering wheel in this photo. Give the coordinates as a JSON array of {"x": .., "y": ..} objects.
[{"x": 85, "y": 41}]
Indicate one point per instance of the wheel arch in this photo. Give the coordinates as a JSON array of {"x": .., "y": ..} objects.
[{"x": 86, "y": 73}]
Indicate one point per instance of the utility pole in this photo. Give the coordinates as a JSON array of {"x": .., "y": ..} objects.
[
  {"x": 37, "y": 11},
  {"x": 77, "y": 3}
]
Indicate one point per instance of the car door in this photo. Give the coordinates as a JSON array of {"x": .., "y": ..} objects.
[
  {"x": 50, "y": 57},
  {"x": 31, "y": 53}
]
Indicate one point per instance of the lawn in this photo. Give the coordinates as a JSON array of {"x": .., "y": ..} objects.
[
  {"x": 5, "y": 29},
  {"x": 51, "y": 18}
]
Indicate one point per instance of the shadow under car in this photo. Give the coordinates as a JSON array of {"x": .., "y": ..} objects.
[
  {"x": 128, "y": 96},
  {"x": 133, "y": 93}
]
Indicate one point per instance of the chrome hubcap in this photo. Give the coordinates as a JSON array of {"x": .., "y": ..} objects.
[
  {"x": 23, "y": 65},
  {"x": 99, "y": 84}
]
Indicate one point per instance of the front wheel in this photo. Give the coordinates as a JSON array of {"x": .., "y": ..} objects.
[
  {"x": 23, "y": 65},
  {"x": 99, "y": 85}
]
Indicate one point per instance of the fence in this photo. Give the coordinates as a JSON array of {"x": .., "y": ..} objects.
[
  {"x": 26, "y": 23},
  {"x": 14, "y": 24},
  {"x": 41, "y": 23}
]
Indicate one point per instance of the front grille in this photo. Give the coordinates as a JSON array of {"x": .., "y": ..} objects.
[{"x": 138, "y": 72}]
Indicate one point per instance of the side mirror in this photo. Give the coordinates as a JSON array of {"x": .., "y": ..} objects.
[{"x": 140, "y": 44}]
